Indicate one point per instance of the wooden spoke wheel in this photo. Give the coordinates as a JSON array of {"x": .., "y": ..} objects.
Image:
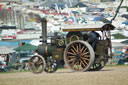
[
  {"x": 79, "y": 56},
  {"x": 51, "y": 65},
  {"x": 37, "y": 64}
]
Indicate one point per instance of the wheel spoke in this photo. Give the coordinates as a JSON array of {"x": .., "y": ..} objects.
[
  {"x": 79, "y": 65},
  {"x": 73, "y": 51},
  {"x": 73, "y": 63},
  {"x": 31, "y": 63},
  {"x": 70, "y": 53},
  {"x": 73, "y": 59},
  {"x": 77, "y": 62},
  {"x": 76, "y": 66},
  {"x": 82, "y": 63},
  {"x": 40, "y": 61},
  {"x": 85, "y": 59},
  {"x": 71, "y": 56},
  {"x": 85, "y": 62},
  {"x": 74, "y": 48},
  {"x": 84, "y": 50},
  {"x": 84, "y": 53},
  {"x": 79, "y": 47},
  {"x": 86, "y": 56}
]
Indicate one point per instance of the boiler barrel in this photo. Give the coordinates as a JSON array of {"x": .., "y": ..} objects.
[{"x": 46, "y": 50}]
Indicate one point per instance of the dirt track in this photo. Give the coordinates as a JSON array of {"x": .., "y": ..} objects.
[{"x": 108, "y": 76}]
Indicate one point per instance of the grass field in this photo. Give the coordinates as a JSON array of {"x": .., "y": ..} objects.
[{"x": 110, "y": 75}]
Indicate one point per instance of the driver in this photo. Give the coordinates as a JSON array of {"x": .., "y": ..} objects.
[{"x": 93, "y": 38}]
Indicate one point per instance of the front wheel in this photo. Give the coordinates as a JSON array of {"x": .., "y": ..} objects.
[
  {"x": 37, "y": 64},
  {"x": 51, "y": 65}
]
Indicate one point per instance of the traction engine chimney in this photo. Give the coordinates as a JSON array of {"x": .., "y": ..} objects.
[{"x": 44, "y": 30}]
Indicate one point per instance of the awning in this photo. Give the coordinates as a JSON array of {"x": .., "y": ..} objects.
[
  {"x": 5, "y": 50},
  {"x": 125, "y": 42},
  {"x": 26, "y": 47}
]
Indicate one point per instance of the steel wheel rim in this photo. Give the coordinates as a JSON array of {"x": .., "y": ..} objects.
[
  {"x": 80, "y": 54},
  {"x": 37, "y": 64}
]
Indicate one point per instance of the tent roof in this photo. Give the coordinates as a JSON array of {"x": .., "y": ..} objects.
[
  {"x": 26, "y": 47},
  {"x": 80, "y": 5},
  {"x": 125, "y": 42},
  {"x": 5, "y": 50}
]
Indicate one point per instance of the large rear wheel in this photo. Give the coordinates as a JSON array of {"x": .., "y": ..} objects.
[{"x": 79, "y": 56}]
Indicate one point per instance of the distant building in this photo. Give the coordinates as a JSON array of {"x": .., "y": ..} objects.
[{"x": 9, "y": 17}]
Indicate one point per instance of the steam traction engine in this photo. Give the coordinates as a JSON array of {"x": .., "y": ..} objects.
[{"x": 74, "y": 49}]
